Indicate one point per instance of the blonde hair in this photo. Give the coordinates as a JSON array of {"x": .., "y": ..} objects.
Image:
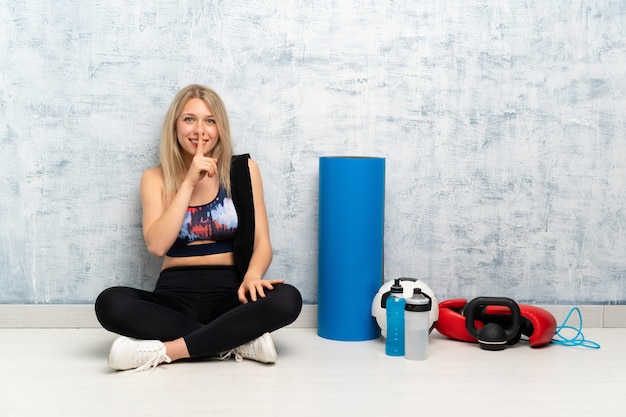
[{"x": 172, "y": 162}]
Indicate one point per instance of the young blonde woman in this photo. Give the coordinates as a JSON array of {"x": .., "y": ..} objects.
[{"x": 204, "y": 213}]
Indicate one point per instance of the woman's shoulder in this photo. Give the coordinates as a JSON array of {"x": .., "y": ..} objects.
[{"x": 152, "y": 175}]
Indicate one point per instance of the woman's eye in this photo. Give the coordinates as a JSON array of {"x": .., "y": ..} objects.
[
  {"x": 211, "y": 121},
  {"x": 188, "y": 119}
]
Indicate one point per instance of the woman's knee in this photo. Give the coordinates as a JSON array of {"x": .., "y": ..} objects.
[
  {"x": 109, "y": 304},
  {"x": 290, "y": 302}
]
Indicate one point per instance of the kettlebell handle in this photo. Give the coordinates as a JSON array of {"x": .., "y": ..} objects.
[{"x": 474, "y": 307}]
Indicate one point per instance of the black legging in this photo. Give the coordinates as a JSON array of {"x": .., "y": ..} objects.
[{"x": 199, "y": 304}]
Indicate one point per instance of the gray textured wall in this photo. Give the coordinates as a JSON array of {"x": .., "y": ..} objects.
[{"x": 502, "y": 123}]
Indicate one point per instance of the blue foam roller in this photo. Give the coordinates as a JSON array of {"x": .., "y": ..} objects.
[{"x": 350, "y": 264}]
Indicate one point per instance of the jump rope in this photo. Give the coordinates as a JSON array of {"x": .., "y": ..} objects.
[{"x": 577, "y": 338}]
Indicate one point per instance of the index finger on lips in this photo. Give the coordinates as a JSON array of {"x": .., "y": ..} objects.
[{"x": 200, "y": 147}]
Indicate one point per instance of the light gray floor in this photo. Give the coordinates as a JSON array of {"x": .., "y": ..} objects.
[{"x": 63, "y": 372}]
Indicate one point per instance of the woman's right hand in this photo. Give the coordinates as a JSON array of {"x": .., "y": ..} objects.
[
  {"x": 201, "y": 166},
  {"x": 161, "y": 222}
]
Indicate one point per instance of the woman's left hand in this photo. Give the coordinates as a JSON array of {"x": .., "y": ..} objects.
[{"x": 256, "y": 288}]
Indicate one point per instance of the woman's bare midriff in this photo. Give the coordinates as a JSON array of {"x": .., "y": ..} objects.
[{"x": 206, "y": 260}]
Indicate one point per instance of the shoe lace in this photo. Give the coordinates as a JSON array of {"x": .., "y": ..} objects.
[
  {"x": 246, "y": 350},
  {"x": 229, "y": 354},
  {"x": 154, "y": 361}
]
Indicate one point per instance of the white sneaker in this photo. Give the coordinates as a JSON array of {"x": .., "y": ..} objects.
[
  {"x": 140, "y": 355},
  {"x": 260, "y": 349}
]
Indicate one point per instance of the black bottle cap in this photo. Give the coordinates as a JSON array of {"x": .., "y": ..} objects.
[{"x": 396, "y": 288}]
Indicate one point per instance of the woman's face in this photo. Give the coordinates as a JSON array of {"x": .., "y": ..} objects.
[{"x": 196, "y": 122}]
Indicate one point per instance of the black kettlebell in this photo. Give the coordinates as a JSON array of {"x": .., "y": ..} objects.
[{"x": 492, "y": 336}]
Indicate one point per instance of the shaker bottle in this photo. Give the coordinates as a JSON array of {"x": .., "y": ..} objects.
[{"x": 416, "y": 319}]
